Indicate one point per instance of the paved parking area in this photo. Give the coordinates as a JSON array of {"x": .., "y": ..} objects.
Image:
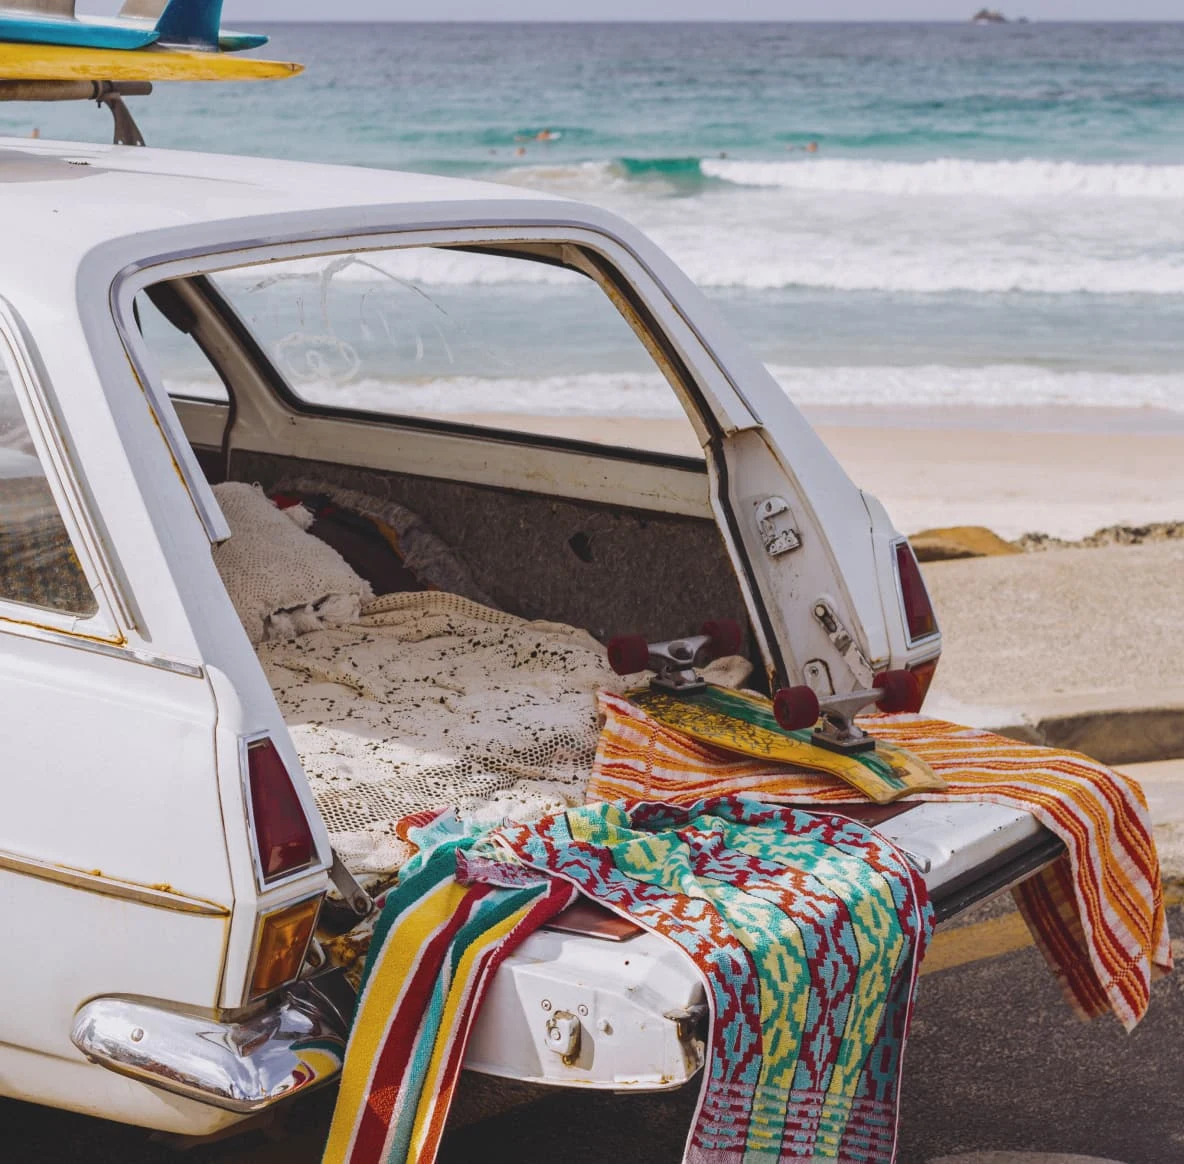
[{"x": 998, "y": 1071}]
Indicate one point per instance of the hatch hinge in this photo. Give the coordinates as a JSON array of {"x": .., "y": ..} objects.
[{"x": 844, "y": 642}]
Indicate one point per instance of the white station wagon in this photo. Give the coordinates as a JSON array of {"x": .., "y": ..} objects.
[{"x": 191, "y": 343}]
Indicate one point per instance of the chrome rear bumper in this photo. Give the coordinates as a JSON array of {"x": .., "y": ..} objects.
[{"x": 242, "y": 1066}]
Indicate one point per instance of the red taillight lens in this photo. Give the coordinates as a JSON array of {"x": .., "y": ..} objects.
[
  {"x": 282, "y": 836},
  {"x": 918, "y": 610}
]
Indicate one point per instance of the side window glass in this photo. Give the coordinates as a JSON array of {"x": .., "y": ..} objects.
[
  {"x": 38, "y": 565},
  {"x": 184, "y": 368}
]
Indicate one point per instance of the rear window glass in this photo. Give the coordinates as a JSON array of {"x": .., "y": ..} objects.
[{"x": 500, "y": 342}]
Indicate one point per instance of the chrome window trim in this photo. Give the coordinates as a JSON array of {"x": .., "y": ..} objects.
[{"x": 112, "y": 650}]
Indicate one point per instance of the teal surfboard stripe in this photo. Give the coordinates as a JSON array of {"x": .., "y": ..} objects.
[
  {"x": 73, "y": 33},
  {"x": 230, "y": 41}
]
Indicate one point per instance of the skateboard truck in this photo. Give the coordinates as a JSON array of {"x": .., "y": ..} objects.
[
  {"x": 796, "y": 708},
  {"x": 675, "y": 661}
]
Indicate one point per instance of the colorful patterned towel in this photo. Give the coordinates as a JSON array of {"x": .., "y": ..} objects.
[
  {"x": 1097, "y": 914},
  {"x": 808, "y": 929},
  {"x": 434, "y": 951}
]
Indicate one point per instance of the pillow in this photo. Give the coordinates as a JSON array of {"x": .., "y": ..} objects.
[
  {"x": 401, "y": 551},
  {"x": 283, "y": 581}
]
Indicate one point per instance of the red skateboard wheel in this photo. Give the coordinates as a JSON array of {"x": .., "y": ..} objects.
[
  {"x": 795, "y": 708},
  {"x": 901, "y": 692},
  {"x": 725, "y": 634},
  {"x": 628, "y": 654}
]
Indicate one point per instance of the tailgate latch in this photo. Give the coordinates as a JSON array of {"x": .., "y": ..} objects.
[{"x": 563, "y": 1036}]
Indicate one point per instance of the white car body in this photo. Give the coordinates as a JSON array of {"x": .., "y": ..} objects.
[{"x": 129, "y": 888}]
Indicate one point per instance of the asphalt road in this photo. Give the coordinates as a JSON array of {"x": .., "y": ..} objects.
[{"x": 997, "y": 1064}]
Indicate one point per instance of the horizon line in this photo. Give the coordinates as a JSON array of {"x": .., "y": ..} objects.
[{"x": 699, "y": 20}]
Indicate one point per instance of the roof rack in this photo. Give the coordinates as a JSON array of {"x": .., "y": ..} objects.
[
  {"x": 50, "y": 53},
  {"x": 108, "y": 93}
]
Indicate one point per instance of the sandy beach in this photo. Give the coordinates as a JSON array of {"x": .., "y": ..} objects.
[
  {"x": 1067, "y": 483},
  {"x": 1063, "y": 472}
]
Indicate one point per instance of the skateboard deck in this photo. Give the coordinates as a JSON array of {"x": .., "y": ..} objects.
[
  {"x": 738, "y": 721},
  {"x": 47, "y": 62}
]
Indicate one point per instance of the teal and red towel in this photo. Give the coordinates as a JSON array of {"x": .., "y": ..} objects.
[{"x": 808, "y": 929}]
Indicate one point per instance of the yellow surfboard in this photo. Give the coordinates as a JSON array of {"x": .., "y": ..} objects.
[{"x": 38, "y": 62}]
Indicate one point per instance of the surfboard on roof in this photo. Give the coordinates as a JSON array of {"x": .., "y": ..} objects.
[
  {"x": 150, "y": 40},
  {"x": 187, "y": 24}
]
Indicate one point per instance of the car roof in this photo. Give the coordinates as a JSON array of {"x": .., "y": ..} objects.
[{"x": 75, "y": 196}]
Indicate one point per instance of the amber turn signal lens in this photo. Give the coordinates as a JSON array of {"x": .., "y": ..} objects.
[
  {"x": 924, "y": 673},
  {"x": 280, "y": 944}
]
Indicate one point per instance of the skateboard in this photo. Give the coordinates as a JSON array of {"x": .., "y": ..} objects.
[{"x": 796, "y": 726}]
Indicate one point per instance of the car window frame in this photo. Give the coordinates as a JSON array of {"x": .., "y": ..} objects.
[
  {"x": 712, "y": 410},
  {"x": 646, "y": 332},
  {"x": 38, "y": 409},
  {"x": 110, "y": 277}
]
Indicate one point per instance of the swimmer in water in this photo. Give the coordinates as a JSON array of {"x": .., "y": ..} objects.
[
  {"x": 811, "y": 147},
  {"x": 545, "y": 135},
  {"x": 520, "y": 152}
]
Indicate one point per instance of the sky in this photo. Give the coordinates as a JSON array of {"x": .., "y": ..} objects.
[{"x": 241, "y": 11}]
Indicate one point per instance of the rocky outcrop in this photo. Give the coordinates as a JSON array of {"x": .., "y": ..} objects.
[{"x": 960, "y": 541}]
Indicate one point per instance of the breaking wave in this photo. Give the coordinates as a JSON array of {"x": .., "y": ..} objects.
[
  {"x": 956, "y": 177},
  {"x": 1025, "y": 178}
]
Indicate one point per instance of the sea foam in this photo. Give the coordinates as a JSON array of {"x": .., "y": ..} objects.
[
  {"x": 648, "y": 395},
  {"x": 1028, "y": 178}
]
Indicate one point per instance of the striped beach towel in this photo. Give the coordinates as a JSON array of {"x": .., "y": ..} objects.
[
  {"x": 434, "y": 951},
  {"x": 1097, "y": 914}
]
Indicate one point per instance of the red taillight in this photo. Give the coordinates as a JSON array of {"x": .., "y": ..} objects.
[
  {"x": 282, "y": 836},
  {"x": 918, "y": 610}
]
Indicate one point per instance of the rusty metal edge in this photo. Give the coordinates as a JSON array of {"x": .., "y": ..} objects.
[{"x": 110, "y": 887}]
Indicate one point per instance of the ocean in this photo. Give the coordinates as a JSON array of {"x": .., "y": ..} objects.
[{"x": 992, "y": 216}]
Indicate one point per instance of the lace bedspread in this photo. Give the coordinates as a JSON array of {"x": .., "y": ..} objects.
[{"x": 430, "y": 699}]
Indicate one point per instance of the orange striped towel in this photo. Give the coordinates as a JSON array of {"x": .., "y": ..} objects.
[{"x": 1097, "y": 914}]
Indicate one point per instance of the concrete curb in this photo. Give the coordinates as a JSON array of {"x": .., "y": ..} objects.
[{"x": 1112, "y": 727}]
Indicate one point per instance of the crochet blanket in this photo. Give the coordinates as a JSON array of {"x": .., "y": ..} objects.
[
  {"x": 430, "y": 699},
  {"x": 1097, "y": 914},
  {"x": 808, "y": 929}
]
